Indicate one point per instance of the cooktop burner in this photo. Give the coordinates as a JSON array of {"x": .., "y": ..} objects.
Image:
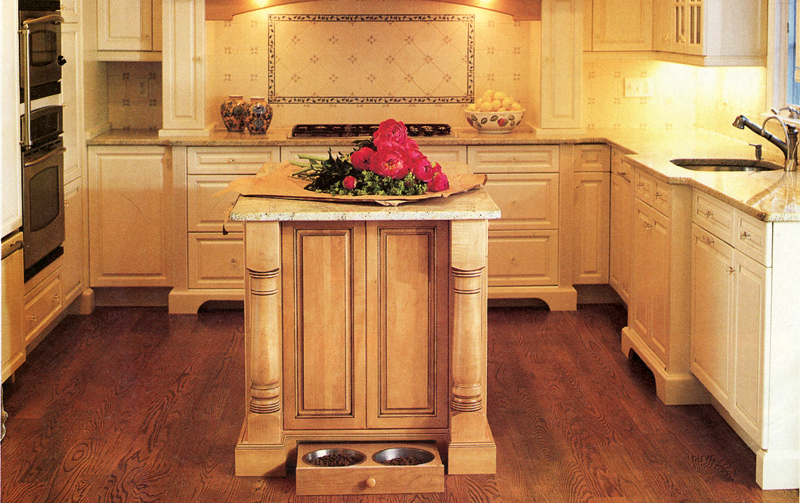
[{"x": 329, "y": 130}]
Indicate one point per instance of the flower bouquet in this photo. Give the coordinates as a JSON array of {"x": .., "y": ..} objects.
[{"x": 388, "y": 164}]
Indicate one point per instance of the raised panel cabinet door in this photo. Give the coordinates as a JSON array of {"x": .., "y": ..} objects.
[
  {"x": 207, "y": 212},
  {"x": 620, "y": 236},
  {"x": 622, "y": 25},
  {"x": 712, "y": 319},
  {"x": 324, "y": 325},
  {"x": 130, "y": 200},
  {"x": 407, "y": 336},
  {"x": 125, "y": 25},
  {"x": 13, "y": 347},
  {"x": 216, "y": 260},
  {"x": 640, "y": 308},
  {"x": 526, "y": 201},
  {"x": 591, "y": 228},
  {"x": 523, "y": 258},
  {"x": 753, "y": 284},
  {"x": 659, "y": 269}
]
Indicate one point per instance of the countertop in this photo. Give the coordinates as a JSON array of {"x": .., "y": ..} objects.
[{"x": 772, "y": 196}]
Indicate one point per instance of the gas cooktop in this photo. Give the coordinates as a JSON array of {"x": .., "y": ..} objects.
[{"x": 341, "y": 130}]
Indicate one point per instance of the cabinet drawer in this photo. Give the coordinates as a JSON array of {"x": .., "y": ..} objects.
[
  {"x": 207, "y": 212},
  {"x": 514, "y": 159},
  {"x": 526, "y": 201},
  {"x": 216, "y": 261},
  {"x": 592, "y": 157},
  {"x": 754, "y": 238},
  {"x": 662, "y": 197},
  {"x": 42, "y": 305},
  {"x": 713, "y": 215},
  {"x": 523, "y": 258},
  {"x": 620, "y": 166},
  {"x": 241, "y": 160},
  {"x": 644, "y": 187}
]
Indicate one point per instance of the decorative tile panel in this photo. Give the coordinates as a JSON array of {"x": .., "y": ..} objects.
[{"x": 371, "y": 58}]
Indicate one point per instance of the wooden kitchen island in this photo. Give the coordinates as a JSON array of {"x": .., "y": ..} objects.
[{"x": 365, "y": 323}]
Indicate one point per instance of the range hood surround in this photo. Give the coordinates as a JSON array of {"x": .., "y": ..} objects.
[{"x": 520, "y": 10}]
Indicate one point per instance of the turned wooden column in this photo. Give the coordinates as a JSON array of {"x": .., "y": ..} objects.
[
  {"x": 472, "y": 448},
  {"x": 263, "y": 330}
]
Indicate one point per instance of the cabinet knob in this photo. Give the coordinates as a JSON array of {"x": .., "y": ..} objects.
[
  {"x": 233, "y": 261},
  {"x": 658, "y": 195},
  {"x": 709, "y": 213},
  {"x": 370, "y": 482},
  {"x": 647, "y": 225},
  {"x": 231, "y": 161},
  {"x": 707, "y": 240},
  {"x": 746, "y": 235},
  {"x": 731, "y": 270},
  {"x": 33, "y": 318},
  {"x": 623, "y": 173}
]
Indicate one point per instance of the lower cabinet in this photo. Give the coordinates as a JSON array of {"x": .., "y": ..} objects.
[
  {"x": 13, "y": 345},
  {"x": 620, "y": 227},
  {"x": 370, "y": 348},
  {"x": 130, "y": 210},
  {"x": 74, "y": 241},
  {"x": 590, "y": 216}
]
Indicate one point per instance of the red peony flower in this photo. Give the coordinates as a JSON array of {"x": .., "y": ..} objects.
[
  {"x": 439, "y": 183},
  {"x": 422, "y": 169},
  {"x": 390, "y": 131},
  {"x": 349, "y": 182},
  {"x": 390, "y": 160},
  {"x": 437, "y": 168},
  {"x": 360, "y": 158}
]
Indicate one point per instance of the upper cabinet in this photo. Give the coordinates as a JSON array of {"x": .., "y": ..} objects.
[
  {"x": 619, "y": 25},
  {"x": 129, "y": 30},
  {"x": 697, "y": 32}
]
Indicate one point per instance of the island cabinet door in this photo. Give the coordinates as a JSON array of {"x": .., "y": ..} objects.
[
  {"x": 324, "y": 291},
  {"x": 407, "y": 324}
]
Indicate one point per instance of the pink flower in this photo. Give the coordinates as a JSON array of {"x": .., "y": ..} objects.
[
  {"x": 360, "y": 158},
  {"x": 439, "y": 183},
  {"x": 422, "y": 169},
  {"x": 390, "y": 131},
  {"x": 437, "y": 168},
  {"x": 390, "y": 160},
  {"x": 349, "y": 182}
]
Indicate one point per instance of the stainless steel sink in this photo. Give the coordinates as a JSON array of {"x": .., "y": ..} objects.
[{"x": 726, "y": 164}]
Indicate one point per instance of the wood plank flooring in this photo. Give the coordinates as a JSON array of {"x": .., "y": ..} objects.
[{"x": 136, "y": 405}]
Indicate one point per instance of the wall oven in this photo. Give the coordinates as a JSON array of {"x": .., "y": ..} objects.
[{"x": 40, "y": 49}]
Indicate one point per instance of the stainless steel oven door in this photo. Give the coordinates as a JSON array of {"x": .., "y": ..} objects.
[
  {"x": 43, "y": 201},
  {"x": 40, "y": 57}
]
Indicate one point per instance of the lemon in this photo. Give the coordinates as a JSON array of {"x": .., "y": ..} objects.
[
  {"x": 486, "y": 106},
  {"x": 471, "y": 107},
  {"x": 516, "y": 106}
]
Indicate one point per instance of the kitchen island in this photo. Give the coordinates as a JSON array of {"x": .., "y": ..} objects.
[{"x": 365, "y": 323}]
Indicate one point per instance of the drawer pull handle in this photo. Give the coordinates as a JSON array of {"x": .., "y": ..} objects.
[
  {"x": 709, "y": 213},
  {"x": 647, "y": 225},
  {"x": 707, "y": 240},
  {"x": 370, "y": 482},
  {"x": 658, "y": 195},
  {"x": 746, "y": 235},
  {"x": 623, "y": 173},
  {"x": 231, "y": 161},
  {"x": 233, "y": 261},
  {"x": 34, "y": 318},
  {"x": 731, "y": 270},
  {"x": 640, "y": 185}
]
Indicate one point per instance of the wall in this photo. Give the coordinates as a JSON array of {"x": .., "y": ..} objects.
[{"x": 134, "y": 95}]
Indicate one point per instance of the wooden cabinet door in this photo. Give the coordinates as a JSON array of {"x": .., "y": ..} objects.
[
  {"x": 407, "y": 328},
  {"x": 622, "y": 25},
  {"x": 640, "y": 308},
  {"x": 130, "y": 228},
  {"x": 324, "y": 325},
  {"x": 712, "y": 319},
  {"x": 13, "y": 347},
  {"x": 74, "y": 240},
  {"x": 125, "y": 25},
  {"x": 753, "y": 282},
  {"x": 659, "y": 269},
  {"x": 620, "y": 236},
  {"x": 590, "y": 232}
]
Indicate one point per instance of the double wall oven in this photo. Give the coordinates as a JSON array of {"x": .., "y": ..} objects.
[{"x": 41, "y": 125}]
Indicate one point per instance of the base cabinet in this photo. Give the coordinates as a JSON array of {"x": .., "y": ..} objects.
[
  {"x": 130, "y": 205},
  {"x": 659, "y": 307},
  {"x": 590, "y": 216},
  {"x": 13, "y": 346},
  {"x": 620, "y": 227}
]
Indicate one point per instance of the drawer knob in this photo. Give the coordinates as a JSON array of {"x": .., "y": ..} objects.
[
  {"x": 640, "y": 185},
  {"x": 370, "y": 482},
  {"x": 709, "y": 213},
  {"x": 231, "y": 161},
  {"x": 647, "y": 225},
  {"x": 34, "y": 318},
  {"x": 233, "y": 261},
  {"x": 658, "y": 195},
  {"x": 731, "y": 270},
  {"x": 623, "y": 173},
  {"x": 746, "y": 235},
  {"x": 707, "y": 240}
]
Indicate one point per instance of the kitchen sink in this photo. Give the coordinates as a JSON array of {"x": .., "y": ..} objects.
[{"x": 726, "y": 164}]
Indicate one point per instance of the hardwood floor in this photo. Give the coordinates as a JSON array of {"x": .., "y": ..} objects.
[{"x": 112, "y": 407}]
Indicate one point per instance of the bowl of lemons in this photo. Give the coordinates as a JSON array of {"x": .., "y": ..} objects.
[{"x": 494, "y": 112}]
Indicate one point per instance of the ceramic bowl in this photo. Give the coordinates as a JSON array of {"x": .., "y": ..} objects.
[{"x": 494, "y": 122}]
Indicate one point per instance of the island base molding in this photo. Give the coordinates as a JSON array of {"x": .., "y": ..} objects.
[
  {"x": 557, "y": 298},
  {"x": 672, "y": 388},
  {"x": 188, "y": 301}
]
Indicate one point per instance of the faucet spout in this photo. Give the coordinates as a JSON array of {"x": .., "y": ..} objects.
[{"x": 788, "y": 147}]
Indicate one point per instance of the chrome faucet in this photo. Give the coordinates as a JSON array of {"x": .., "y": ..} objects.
[{"x": 788, "y": 147}]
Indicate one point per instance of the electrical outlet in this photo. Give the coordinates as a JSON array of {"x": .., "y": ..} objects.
[
  {"x": 638, "y": 88},
  {"x": 141, "y": 88}
]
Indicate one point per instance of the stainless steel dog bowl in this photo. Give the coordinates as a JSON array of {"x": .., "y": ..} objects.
[
  {"x": 334, "y": 457},
  {"x": 403, "y": 456}
]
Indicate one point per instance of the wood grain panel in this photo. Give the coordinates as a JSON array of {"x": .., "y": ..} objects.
[
  {"x": 408, "y": 343},
  {"x": 324, "y": 325}
]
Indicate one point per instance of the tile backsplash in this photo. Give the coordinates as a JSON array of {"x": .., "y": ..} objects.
[{"x": 316, "y": 63}]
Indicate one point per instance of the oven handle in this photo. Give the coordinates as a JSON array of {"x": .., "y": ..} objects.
[
  {"x": 25, "y": 42},
  {"x": 13, "y": 248},
  {"x": 45, "y": 157}
]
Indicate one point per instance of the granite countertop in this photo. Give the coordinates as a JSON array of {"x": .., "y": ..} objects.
[
  {"x": 473, "y": 205},
  {"x": 772, "y": 196}
]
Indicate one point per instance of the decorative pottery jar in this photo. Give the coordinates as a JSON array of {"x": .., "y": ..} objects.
[
  {"x": 259, "y": 115},
  {"x": 233, "y": 113}
]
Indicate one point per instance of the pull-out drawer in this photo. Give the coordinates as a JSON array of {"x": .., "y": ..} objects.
[
  {"x": 523, "y": 258},
  {"x": 526, "y": 201},
  {"x": 514, "y": 159},
  {"x": 238, "y": 160},
  {"x": 42, "y": 305},
  {"x": 713, "y": 215},
  {"x": 207, "y": 212},
  {"x": 754, "y": 238},
  {"x": 216, "y": 261}
]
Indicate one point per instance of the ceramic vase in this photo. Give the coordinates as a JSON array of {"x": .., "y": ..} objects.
[
  {"x": 259, "y": 115},
  {"x": 233, "y": 113}
]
